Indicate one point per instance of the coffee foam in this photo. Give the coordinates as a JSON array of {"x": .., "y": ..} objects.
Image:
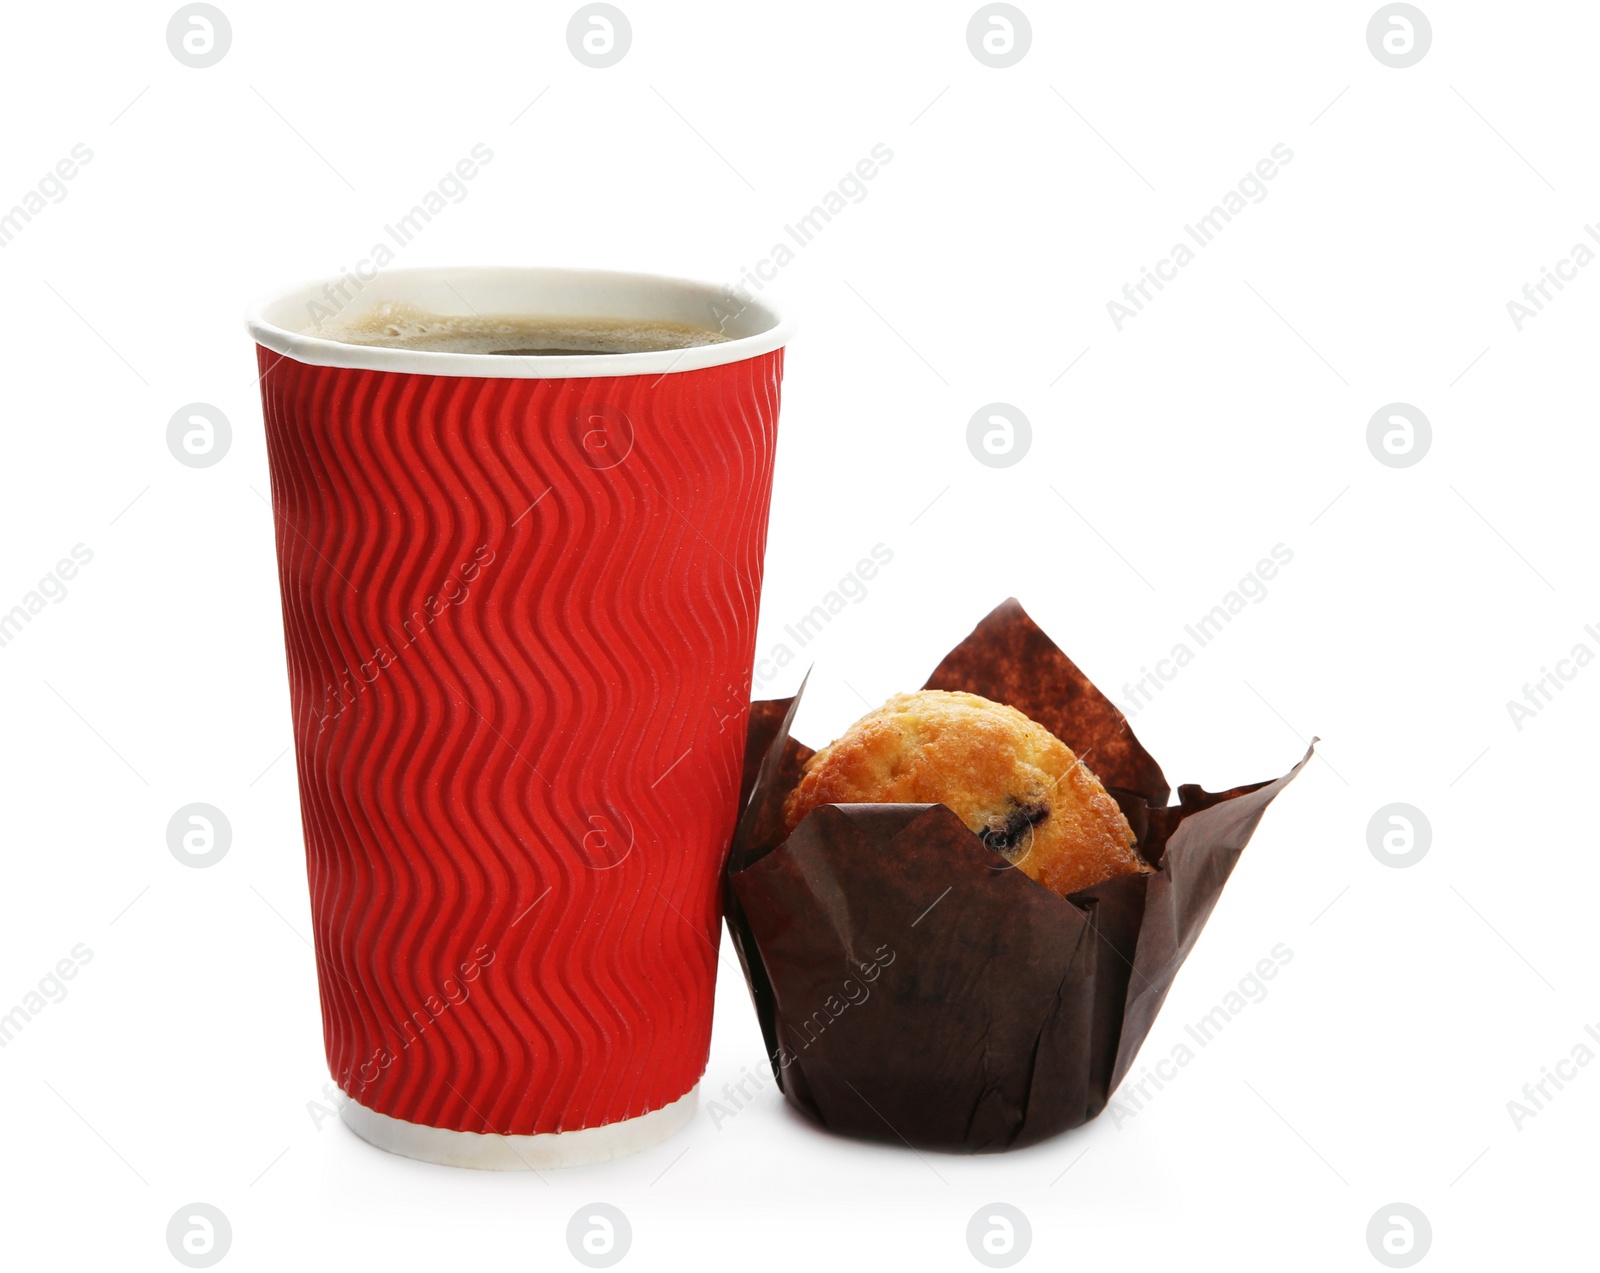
[{"x": 397, "y": 325}]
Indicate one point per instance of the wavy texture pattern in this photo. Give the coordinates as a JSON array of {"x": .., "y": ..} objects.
[{"x": 520, "y": 618}]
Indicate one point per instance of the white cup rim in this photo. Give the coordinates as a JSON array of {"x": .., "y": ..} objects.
[{"x": 286, "y": 321}]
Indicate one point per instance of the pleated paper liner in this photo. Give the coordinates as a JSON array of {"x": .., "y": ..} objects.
[{"x": 912, "y": 986}]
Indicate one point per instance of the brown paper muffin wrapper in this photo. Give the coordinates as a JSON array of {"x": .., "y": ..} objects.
[{"x": 913, "y": 986}]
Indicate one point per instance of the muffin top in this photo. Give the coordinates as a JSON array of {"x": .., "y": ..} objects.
[{"x": 1010, "y": 780}]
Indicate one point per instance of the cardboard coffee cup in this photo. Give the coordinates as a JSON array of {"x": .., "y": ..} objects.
[{"x": 519, "y": 601}]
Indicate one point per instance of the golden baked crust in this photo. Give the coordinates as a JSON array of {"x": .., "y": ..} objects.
[{"x": 1012, "y": 781}]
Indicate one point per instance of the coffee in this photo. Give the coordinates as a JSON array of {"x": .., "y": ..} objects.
[{"x": 398, "y": 326}]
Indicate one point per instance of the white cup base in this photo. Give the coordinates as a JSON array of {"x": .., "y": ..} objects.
[{"x": 488, "y": 1151}]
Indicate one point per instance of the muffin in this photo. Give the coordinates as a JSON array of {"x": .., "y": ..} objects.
[{"x": 1015, "y": 784}]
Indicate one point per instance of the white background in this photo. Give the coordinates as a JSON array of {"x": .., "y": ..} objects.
[{"x": 1228, "y": 417}]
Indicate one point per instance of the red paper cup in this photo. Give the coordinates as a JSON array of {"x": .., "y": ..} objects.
[{"x": 519, "y": 602}]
